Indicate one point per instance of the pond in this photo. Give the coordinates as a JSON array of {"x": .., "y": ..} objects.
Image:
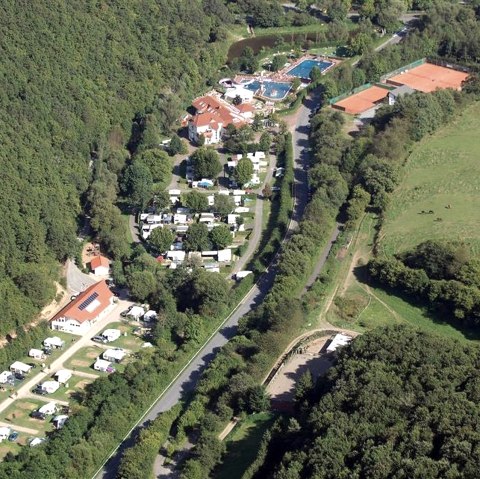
[{"x": 269, "y": 41}]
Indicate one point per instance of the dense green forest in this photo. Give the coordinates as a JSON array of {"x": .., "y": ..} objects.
[
  {"x": 73, "y": 78},
  {"x": 398, "y": 403}
]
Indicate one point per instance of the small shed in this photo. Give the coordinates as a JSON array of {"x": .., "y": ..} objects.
[
  {"x": 48, "y": 409},
  {"x": 224, "y": 255},
  {"x": 50, "y": 386},
  {"x": 150, "y": 315},
  {"x": 59, "y": 421},
  {"x": 114, "y": 355},
  {"x": 102, "y": 365},
  {"x": 232, "y": 219},
  {"x": 176, "y": 256},
  {"x": 6, "y": 377},
  {"x": 136, "y": 312},
  {"x": 99, "y": 265},
  {"x": 36, "y": 354},
  {"x": 54, "y": 342},
  {"x": 4, "y": 433},
  {"x": 63, "y": 376},
  {"x": 111, "y": 334},
  {"x": 19, "y": 367}
]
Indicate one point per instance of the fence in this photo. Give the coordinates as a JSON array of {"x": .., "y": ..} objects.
[
  {"x": 351, "y": 92},
  {"x": 414, "y": 64}
]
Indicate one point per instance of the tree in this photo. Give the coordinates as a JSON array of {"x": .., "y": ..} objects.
[
  {"x": 278, "y": 62},
  {"x": 267, "y": 192},
  {"x": 206, "y": 163},
  {"x": 159, "y": 164},
  {"x": 265, "y": 141},
  {"x": 257, "y": 399},
  {"x": 161, "y": 239},
  {"x": 197, "y": 237},
  {"x": 223, "y": 204},
  {"x": 196, "y": 201},
  {"x": 315, "y": 74},
  {"x": 221, "y": 236},
  {"x": 243, "y": 171},
  {"x": 138, "y": 184},
  {"x": 177, "y": 146}
]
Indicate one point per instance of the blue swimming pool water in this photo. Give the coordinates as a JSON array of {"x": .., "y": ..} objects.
[
  {"x": 303, "y": 69},
  {"x": 269, "y": 89}
]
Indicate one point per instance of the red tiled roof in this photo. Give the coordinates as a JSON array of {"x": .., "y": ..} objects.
[
  {"x": 98, "y": 261},
  {"x": 244, "y": 107},
  {"x": 88, "y": 304},
  {"x": 212, "y": 111}
]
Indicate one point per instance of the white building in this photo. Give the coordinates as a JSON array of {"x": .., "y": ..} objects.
[
  {"x": 102, "y": 365},
  {"x": 114, "y": 355},
  {"x": 5, "y": 431},
  {"x": 48, "y": 409},
  {"x": 85, "y": 310},
  {"x": 150, "y": 315},
  {"x": 100, "y": 266},
  {"x": 36, "y": 354},
  {"x": 50, "y": 386},
  {"x": 111, "y": 334},
  {"x": 54, "y": 342},
  {"x": 6, "y": 377},
  {"x": 19, "y": 367},
  {"x": 136, "y": 312},
  {"x": 59, "y": 421},
  {"x": 63, "y": 376}
]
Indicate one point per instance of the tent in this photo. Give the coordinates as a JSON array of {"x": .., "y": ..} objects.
[
  {"x": 19, "y": 367},
  {"x": 338, "y": 341},
  {"x": 63, "y": 375},
  {"x": 36, "y": 441},
  {"x": 150, "y": 315},
  {"x": 48, "y": 409},
  {"x": 114, "y": 355},
  {"x": 54, "y": 342}
]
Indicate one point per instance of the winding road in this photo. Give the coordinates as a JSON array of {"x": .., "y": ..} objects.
[{"x": 186, "y": 380}]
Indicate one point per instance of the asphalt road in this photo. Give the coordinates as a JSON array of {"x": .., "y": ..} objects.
[
  {"x": 77, "y": 281},
  {"x": 186, "y": 381}
]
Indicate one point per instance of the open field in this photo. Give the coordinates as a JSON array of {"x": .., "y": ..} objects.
[
  {"x": 83, "y": 360},
  {"x": 442, "y": 170},
  {"x": 130, "y": 341},
  {"x": 242, "y": 445},
  {"x": 361, "y": 307}
]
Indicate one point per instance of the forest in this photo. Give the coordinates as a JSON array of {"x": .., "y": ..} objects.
[
  {"x": 398, "y": 403},
  {"x": 78, "y": 82}
]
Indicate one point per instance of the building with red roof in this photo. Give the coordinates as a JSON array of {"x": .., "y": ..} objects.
[
  {"x": 99, "y": 265},
  {"x": 213, "y": 115},
  {"x": 86, "y": 309}
]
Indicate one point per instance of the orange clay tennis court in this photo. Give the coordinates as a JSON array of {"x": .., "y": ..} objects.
[
  {"x": 429, "y": 77},
  {"x": 362, "y": 101}
]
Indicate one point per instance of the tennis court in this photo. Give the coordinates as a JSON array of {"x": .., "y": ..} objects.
[
  {"x": 362, "y": 101},
  {"x": 429, "y": 77}
]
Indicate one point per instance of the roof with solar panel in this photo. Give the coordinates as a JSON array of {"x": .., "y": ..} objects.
[{"x": 88, "y": 304}]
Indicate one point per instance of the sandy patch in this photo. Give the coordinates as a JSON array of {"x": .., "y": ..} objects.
[{"x": 92, "y": 354}]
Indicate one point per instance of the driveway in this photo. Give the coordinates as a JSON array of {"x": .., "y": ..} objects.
[{"x": 77, "y": 281}]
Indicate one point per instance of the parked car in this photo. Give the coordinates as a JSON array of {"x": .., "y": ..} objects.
[
  {"x": 39, "y": 391},
  {"x": 73, "y": 296},
  {"x": 99, "y": 339},
  {"x": 19, "y": 376},
  {"x": 47, "y": 351},
  {"x": 13, "y": 436},
  {"x": 38, "y": 415},
  {"x": 124, "y": 314}
]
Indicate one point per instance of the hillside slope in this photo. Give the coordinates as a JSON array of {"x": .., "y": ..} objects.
[{"x": 72, "y": 77}]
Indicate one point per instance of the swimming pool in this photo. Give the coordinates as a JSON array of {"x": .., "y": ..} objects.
[
  {"x": 269, "y": 89},
  {"x": 303, "y": 69}
]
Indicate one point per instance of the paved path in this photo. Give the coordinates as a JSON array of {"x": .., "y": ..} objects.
[
  {"x": 47, "y": 399},
  {"x": 77, "y": 280},
  {"x": 24, "y": 390},
  {"x": 186, "y": 380},
  {"x": 256, "y": 234},
  {"x": 133, "y": 225},
  {"x": 14, "y": 427}
]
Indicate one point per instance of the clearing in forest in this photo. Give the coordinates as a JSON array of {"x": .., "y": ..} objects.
[{"x": 439, "y": 197}]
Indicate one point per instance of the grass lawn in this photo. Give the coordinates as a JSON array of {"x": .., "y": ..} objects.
[
  {"x": 83, "y": 360},
  {"x": 13, "y": 447},
  {"x": 442, "y": 170},
  {"x": 18, "y": 413},
  {"x": 377, "y": 307},
  {"x": 130, "y": 341},
  {"x": 75, "y": 383},
  {"x": 242, "y": 445}
]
